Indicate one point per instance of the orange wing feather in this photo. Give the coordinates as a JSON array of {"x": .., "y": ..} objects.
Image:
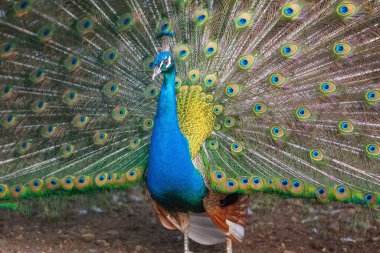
[{"x": 228, "y": 212}]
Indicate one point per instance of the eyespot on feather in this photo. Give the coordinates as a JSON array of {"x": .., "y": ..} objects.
[
  {"x": 3, "y": 190},
  {"x": 217, "y": 126},
  {"x": 151, "y": 91},
  {"x": 346, "y": 9},
  {"x": 243, "y": 20},
  {"x": 80, "y": 121},
  {"x": 369, "y": 199},
  {"x": 345, "y": 127},
  {"x": 284, "y": 184},
  {"x": 119, "y": 113},
  {"x": 277, "y": 80},
  {"x": 342, "y": 49},
  {"x": 100, "y": 138},
  {"x": 321, "y": 194},
  {"x": 101, "y": 179},
  {"x": 148, "y": 63},
  {"x": 148, "y": 124},
  {"x": 8, "y": 120},
  {"x": 289, "y": 49},
  {"x": 22, "y": 8},
  {"x": 125, "y": 21},
  {"x": 212, "y": 144},
  {"x": 70, "y": 97},
  {"x": 52, "y": 183},
  {"x": 256, "y": 183},
  {"x": 246, "y": 61},
  {"x": 39, "y": 106},
  {"x": 7, "y": 49},
  {"x": 341, "y": 192},
  {"x": 17, "y": 191},
  {"x": 210, "y": 80},
  {"x": 23, "y": 146},
  {"x": 182, "y": 52},
  {"x": 6, "y": 91},
  {"x": 372, "y": 97},
  {"x": 67, "y": 149},
  {"x": 84, "y": 26},
  {"x": 277, "y": 132},
  {"x": 214, "y": 168},
  {"x": 178, "y": 83},
  {"x": 135, "y": 143},
  {"x": 193, "y": 75},
  {"x": 164, "y": 28},
  {"x": 72, "y": 62},
  {"x": 111, "y": 88},
  {"x": 48, "y": 131},
  {"x": 372, "y": 150},
  {"x": 209, "y": 98},
  {"x": 316, "y": 155},
  {"x": 327, "y": 88},
  {"x": 259, "y": 109},
  {"x": 244, "y": 183},
  {"x": 291, "y": 10},
  {"x": 236, "y": 148},
  {"x": 201, "y": 17},
  {"x": 45, "y": 33},
  {"x": 82, "y": 182},
  {"x": 217, "y": 109},
  {"x": 36, "y": 185},
  {"x": 232, "y": 90},
  {"x": 67, "y": 183},
  {"x": 231, "y": 185},
  {"x": 119, "y": 178},
  {"x": 302, "y": 114},
  {"x": 229, "y": 122},
  {"x": 211, "y": 49},
  {"x": 134, "y": 174},
  {"x": 297, "y": 187},
  {"x": 37, "y": 76},
  {"x": 218, "y": 176},
  {"x": 110, "y": 56}
]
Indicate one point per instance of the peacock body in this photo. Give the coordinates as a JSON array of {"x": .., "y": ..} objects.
[
  {"x": 280, "y": 97},
  {"x": 169, "y": 158}
]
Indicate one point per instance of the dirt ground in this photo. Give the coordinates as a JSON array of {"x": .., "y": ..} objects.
[{"x": 121, "y": 222}]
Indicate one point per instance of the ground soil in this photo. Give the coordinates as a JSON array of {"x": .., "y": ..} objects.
[{"x": 125, "y": 223}]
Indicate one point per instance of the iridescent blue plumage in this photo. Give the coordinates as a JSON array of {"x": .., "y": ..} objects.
[
  {"x": 172, "y": 179},
  {"x": 280, "y": 97}
]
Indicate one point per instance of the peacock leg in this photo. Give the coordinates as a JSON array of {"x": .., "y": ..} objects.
[
  {"x": 228, "y": 245},
  {"x": 186, "y": 240},
  {"x": 185, "y": 223}
]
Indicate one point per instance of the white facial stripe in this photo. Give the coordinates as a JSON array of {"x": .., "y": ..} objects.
[
  {"x": 169, "y": 62},
  {"x": 156, "y": 72}
]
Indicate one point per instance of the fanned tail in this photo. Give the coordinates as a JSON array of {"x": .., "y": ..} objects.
[
  {"x": 73, "y": 93},
  {"x": 294, "y": 87}
]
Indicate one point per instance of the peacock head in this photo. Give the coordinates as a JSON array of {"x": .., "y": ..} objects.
[{"x": 163, "y": 63}]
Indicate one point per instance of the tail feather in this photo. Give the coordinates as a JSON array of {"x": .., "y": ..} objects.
[
  {"x": 203, "y": 230},
  {"x": 294, "y": 87}
]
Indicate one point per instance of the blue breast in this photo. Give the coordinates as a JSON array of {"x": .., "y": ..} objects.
[{"x": 172, "y": 179}]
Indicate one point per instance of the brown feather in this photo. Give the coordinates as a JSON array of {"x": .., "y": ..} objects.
[{"x": 222, "y": 207}]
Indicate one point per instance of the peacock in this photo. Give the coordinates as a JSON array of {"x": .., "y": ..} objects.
[{"x": 203, "y": 102}]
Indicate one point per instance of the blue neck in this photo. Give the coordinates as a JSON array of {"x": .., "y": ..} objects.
[
  {"x": 172, "y": 179},
  {"x": 167, "y": 106}
]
